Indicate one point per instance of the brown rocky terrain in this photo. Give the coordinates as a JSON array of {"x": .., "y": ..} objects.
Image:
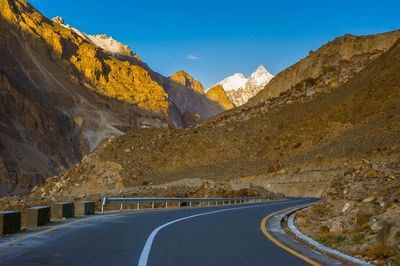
[
  {"x": 330, "y": 66},
  {"x": 61, "y": 96},
  {"x": 360, "y": 213},
  {"x": 296, "y": 143}
]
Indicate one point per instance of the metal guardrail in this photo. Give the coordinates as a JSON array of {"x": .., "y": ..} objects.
[{"x": 152, "y": 201}]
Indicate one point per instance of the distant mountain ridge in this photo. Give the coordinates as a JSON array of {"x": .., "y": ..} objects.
[{"x": 240, "y": 88}]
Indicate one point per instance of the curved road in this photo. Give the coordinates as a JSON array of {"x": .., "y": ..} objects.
[{"x": 222, "y": 235}]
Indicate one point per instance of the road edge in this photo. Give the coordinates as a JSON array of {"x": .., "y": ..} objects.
[
  {"x": 280, "y": 226},
  {"x": 318, "y": 246}
]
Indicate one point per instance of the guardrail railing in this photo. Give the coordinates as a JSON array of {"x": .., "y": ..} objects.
[{"x": 152, "y": 201}]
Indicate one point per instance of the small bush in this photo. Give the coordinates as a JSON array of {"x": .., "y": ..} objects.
[
  {"x": 380, "y": 251},
  {"x": 358, "y": 238}
]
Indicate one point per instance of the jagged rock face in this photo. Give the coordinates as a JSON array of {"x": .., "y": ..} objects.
[
  {"x": 330, "y": 66},
  {"x": 61, "y": 96},
  {"x": 310, "y": 137},
  {"x": 189, "y": 96},
  {"x": 240, "y": 89}
]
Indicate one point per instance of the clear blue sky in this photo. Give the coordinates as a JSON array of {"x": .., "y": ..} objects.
[{"x": 212, "y": 39}]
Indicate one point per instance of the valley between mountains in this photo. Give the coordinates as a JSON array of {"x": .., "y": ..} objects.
[{"x": 83, "y": 117}]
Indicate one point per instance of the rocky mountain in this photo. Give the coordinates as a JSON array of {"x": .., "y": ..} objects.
[
  {"x": 330, "y": 66},
  {"x": 108, "y": 44},
  {"x": 190, "y": 97},
  {"x": 295, "y": 143},
  {"x": 62, "y": 93},
  {"x": 186, "y": 94},
  {"x": 240, "y": 89}
]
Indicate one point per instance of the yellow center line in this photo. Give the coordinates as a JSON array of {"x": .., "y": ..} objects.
[
  {"x": 53, "y": 228},
  {"x": 281, "y": 245}
]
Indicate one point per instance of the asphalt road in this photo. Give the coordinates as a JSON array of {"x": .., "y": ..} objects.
[{"x": 223, "y": 235}]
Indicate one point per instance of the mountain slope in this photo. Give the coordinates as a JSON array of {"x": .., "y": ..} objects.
[
  {"x": 61, "y": 96},
  {"x": 330, "y": 66},
  {"x": 295, "y": 148}
]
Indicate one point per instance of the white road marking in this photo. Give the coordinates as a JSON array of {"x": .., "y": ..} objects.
[{"x": 144, "y": 256}]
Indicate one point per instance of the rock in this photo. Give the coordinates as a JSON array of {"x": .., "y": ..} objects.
[
  {"x": 336, "y": 225},
  {"x": 346, "y": 207},
  {"x": 361, "y": 219},
  {"x": 383, "y": 233},
  {"x": 375, "y": 226},
  {"x": 369, "y": 199}
]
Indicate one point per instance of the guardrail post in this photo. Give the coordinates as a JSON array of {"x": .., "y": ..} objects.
[
  {"x": 190, "y": 204},
  {"x": 103, "y": 203},
  {"x": 121, "y": 207},
  {"x": 152, "y": 205},
  {"x": 166, "y": 204},
  {"x": 138, "y": 206}
]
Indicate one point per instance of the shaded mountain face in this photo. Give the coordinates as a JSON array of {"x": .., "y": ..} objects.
[
  {"x": 189, "y": 96},
  {"x": 240, "y": 89},
  {"x": 291, "y": 145},
  {"x": 330, "y": 66},
  {"x": 62, "y": 93}
]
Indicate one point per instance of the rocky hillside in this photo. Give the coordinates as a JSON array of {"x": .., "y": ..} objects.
[
  {"x": 295, "y": 143},
  {"x": 62, "y": 93},
  {"x": 330, "y": 66},
  {"x": 240, "y": 89},
  {"x": 360, "y": 213}
]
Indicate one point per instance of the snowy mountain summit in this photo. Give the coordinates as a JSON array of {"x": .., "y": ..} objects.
[
  {"x": 260, "y": 77},
  {"x": 240, "y": 88},
  {"x": 103, "y": 41},
  {"x": 234, "y": 82}
]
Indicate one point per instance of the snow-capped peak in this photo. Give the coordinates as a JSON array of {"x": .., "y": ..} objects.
[
  {"x": 233, "y": 82},
  {"x": 260, "y": 77},
  {"x": 240, "y": 89},
  {"x": 109, "y": 44},
  {"x": 106, "y": 43}
]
